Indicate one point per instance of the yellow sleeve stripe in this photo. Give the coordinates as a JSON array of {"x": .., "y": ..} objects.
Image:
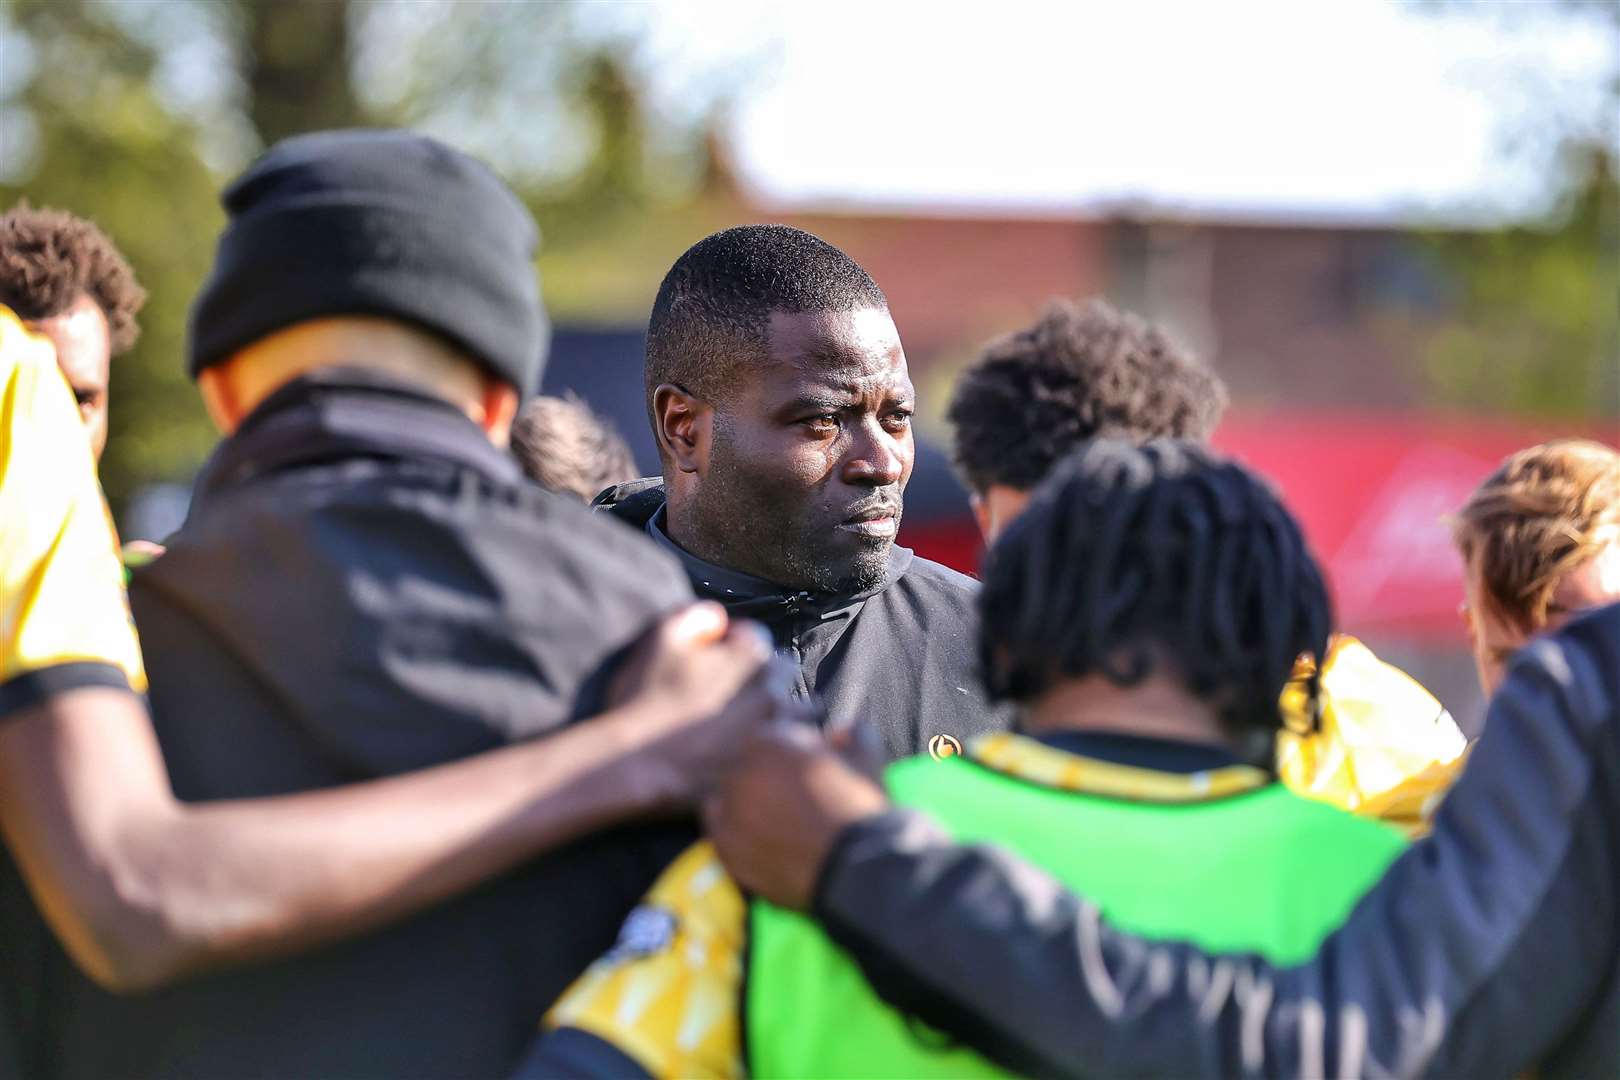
[
  {"x": 668, "y": 994},
  {"x": 1023, "y": 757}
]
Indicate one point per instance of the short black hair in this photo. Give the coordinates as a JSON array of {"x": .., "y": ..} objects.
[
  {"x": 714, "y": 307},
  {"x": 1130, "y": 556},
  {"x": 49, "y": 258},
  {"x": 1078, "y": 373}
]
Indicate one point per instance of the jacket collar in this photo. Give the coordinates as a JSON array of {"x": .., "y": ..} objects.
[
  {"x": 641, "y": 503},
  {"x": 337, "y": 413},
  {"x": 1056, "y": 766}
]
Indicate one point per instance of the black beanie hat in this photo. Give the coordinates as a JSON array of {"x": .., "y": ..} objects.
[{"x": 372, "y": 222}]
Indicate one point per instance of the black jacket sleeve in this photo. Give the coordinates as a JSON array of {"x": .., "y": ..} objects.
[
  {"x": 572, "y": 1054},
  {"x": 1486, "y": 948}
]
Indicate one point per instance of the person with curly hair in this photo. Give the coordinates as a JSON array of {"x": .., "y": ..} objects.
[
  {"x": 565, "y": 446},
  {"x": 1379, "y": 743},
  {"x": 1080, "y": 372},
  {"x": 68, "y": 282}
]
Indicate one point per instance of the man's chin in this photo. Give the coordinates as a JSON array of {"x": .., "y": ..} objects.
[{"x": 865, "y": 570}]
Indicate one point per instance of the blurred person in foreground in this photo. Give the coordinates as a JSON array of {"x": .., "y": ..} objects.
[
  {"x": 1143, "y": 615},
  {"x": 563, "y": 445},
  {"x": 1540, "y": 541},
  {"x": 781, "y": 405},
  {"x": 366, "y": 586},
  {"x": 141, "y": 888},
  {"x": 1374, "y": 741},
  {"x": 67, "y": 281}
]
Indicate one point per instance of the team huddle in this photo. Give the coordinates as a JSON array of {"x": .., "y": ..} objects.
[{"x": 397, "y": 759}]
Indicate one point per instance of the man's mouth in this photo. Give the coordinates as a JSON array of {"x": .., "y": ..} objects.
[{"x": 877, "y": 522}]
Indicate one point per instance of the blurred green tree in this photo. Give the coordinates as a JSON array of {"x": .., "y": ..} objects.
[
  {"x": 1536, "y": 323},
  {"x": 84, "y": 129},
  {"x": 295, "y": 57},
  {"x": 133, "y": 113},
  {"x": 1534, "y": 326}
]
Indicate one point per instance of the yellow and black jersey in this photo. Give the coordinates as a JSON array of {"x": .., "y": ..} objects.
[
  {"x": 1382, "y": 746},
  {"x": 64, "y": 622},
  {"x": 667, "y": 994}
]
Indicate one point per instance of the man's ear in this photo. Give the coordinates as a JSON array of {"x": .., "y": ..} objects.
[
  {"x": 683, "y": 425},
  {"x": 499, "y": 408},
  {"x": 1000, "y": 503},
  {"x": 218, "y": 400},
  {"x": 981, "y": 514}
]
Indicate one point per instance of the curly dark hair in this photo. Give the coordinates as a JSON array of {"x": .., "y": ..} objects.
[
  {"x": 564, "y": 445},
  {"x": 1079, "y": 373},
  {"x": 1131, "y": 556},
  {"x": 49, "y": 257}
]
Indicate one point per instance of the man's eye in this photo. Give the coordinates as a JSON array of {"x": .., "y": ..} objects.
[
  {"x": 899, "y": 419},
  {"x": 824, "y": 423}
]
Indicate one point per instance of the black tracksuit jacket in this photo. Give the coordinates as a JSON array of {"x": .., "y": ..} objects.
[
  {"x": 901, "y": 656},
  {"x": 365, "y": 585}
]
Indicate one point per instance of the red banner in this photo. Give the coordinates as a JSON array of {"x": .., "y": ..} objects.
[{"x": 1372, "y": 491}]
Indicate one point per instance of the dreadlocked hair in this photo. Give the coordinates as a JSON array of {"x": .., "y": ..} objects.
[{"x": 1130, "y": 557}]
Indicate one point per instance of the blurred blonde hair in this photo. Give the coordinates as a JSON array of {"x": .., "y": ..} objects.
[{"x": 1542, "y": 514}]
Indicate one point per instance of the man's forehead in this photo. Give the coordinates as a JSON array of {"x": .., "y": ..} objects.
[
  {"x": 854, "y": 351},
  {"x": 81, "y": 337}
]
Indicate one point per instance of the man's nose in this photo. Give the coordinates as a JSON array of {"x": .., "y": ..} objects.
[{"x": 877, "y": 458}]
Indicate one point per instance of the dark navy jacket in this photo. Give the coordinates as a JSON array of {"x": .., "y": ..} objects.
[{"x": 365, "y": 585}]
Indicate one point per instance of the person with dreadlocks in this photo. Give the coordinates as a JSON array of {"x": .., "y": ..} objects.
[
  {"x": 1380, "y": 743},
  {"x": 1142, "y": 616}
]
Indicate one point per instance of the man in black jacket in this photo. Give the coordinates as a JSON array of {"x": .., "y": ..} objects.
[
  {"x": 781, "y": 407},
  {"x": 366, "y": 585}
]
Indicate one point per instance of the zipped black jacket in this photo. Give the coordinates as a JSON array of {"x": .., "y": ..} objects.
[
  {"x": 364, "y": 586},
  {"x": 1490, "y": 947},
  {"x": 901, "y": 656}
]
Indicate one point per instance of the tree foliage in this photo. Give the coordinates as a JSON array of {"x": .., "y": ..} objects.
[
  {"x": 1535, "y": 321},
  {"x": 101, "y": 143},
  {"x": 134, "y": 113}
]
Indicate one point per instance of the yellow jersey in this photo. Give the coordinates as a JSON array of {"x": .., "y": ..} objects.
[
  {"x": 64, "y": 621},
  {"x": 1384, "y": 746}
]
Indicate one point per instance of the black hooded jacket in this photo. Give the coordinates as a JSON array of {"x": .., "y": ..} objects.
[
  {"x": 902, "y": 656},
  {"x": 365, "y": 585}
]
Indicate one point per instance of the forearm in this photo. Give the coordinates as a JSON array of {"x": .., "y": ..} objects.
[
  {"x": 143, "y": 889},
  {"x": 300, "y": 870}
]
